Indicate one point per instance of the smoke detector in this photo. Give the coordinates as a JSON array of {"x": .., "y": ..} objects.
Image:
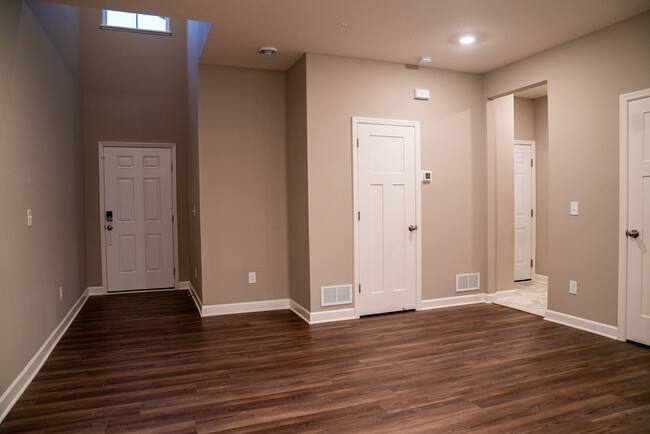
[{"x": 267, "y": 51}]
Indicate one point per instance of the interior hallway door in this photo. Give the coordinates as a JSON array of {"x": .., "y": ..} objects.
[
  {"x": 523, "y": 212},
  {"x": 386, "y": 157},
  {"x": 638, "y": 273}
]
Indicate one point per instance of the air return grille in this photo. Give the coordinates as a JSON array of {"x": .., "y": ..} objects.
[
  {"x": 468, "y": 282},
  {"x": 333, "y": 295}
]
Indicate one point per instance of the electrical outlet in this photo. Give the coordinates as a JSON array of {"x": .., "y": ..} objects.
[
  {"x": 196, "y": 273},
  {"x": 573, "y": 287},
  {"x": 252, "y": 277},
  {"x": 60, "y": 293}
]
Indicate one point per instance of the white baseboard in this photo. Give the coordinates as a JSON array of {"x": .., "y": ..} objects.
[
  {"x": 96, "y": 290},
  {"x": 20, "y": 383},
  {"x": 252, "y": 306},
  {"x": 501, "y": 295},
  {"x": 323, "y": 316},
  {"x": 583, "y": 324},
  {"x": 183, "y": 285},
  {"x": 195, "y": 297},
  {"x": 437, "y": 303},
  {"x": 331, "y": 315},
  {"x": 299, "y": 310},
  {"x": 540, "y": 278}
]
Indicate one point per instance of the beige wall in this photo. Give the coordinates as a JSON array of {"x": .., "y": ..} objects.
[
  {"x": 585, "y": 78},
  {"x": 242, "y": 168},
  {"x": 297, "y": 178},
  {"x": 500, "y": 138},
  {"x": 452, "y": 138},
  {"x": 134, "y": 90},
  {"x": 541, "y": 186},
  {"x": 197, "y": 33},
  {"x": 41, "y": 168},
  {"x": 524, "y": 119}
]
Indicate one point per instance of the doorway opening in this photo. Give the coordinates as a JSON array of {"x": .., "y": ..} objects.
[{"x": 521, "y": 184}]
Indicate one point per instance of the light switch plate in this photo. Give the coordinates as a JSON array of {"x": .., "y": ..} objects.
[
  {"x": 574, "y": 208},
  {"x": 29, "y": 217},
  {"x": 252, "y": 277},
  {"x": 573, "y": 287}
]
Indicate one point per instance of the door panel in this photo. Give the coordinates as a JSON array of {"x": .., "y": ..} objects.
[
  {"x": 387, "y": 202},
  {"x": 138, "y": 190},
  {"x": 523, "y": 217},
  {"x": 638, "y": 277}
]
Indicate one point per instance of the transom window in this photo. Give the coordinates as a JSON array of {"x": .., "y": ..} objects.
[{"x": 118, "y": 20}]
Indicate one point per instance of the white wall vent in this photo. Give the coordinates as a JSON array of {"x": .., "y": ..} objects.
[
  {"x": 334, "y": 295},
  {"x": 468, "y": 282}
]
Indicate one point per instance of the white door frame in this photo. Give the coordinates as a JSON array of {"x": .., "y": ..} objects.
[
  {"x": 533, "y": 202},
  {"x": 102, "y": 211},
  {"x": 418, "y": 214},
  {"x": 622, "y": 214}
]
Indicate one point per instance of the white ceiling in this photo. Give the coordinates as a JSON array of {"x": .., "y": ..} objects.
[{"x": 390, "y": 30}]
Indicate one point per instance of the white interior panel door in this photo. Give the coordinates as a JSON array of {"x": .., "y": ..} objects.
[
  {"x": 138, "y": 218},
  {"x": 387, "y": 204},
  {"x": 523, "y": 213},
  {"x": 638, "y": 277}
]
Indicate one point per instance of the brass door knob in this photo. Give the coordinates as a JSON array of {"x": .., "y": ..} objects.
[
  {"x": 632, "y": 234},
  {"x": 413, "y": 228}
]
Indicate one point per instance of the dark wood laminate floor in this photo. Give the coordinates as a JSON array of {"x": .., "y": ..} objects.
[{"x": 148, "y": 362}]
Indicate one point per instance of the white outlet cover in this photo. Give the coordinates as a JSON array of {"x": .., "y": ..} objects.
[
  {"x": 574, "y": 208},
  {"x": 252, "y": 277}
]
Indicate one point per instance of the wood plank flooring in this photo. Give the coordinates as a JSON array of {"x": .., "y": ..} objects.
[{"x": 148, "y": 362}]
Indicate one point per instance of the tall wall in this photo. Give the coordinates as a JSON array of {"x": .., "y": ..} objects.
[
  {"x": 541, "y": 185},
  {"x": 297, "y": 180},
  {"x": 452, "y": 140},
  {"x": 585, "y": 78},
  {"x": 197, "y": 33},
  {"x": 41, "y": 168},
  {"x": 242, "y": 170},
  {"x": 134, "y": 90}
]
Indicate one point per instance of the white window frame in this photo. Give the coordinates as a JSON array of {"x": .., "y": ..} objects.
[{"x": 105, "y": 26}]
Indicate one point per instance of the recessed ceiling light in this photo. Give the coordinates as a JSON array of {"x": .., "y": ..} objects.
[
  {"x": 424, "y": 60},
  {"x": 467, "y": 39},
  {"x": 267, "y": 51}
]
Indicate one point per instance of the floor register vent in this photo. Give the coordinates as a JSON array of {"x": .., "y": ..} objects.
[
  {"x": 334, "y": 295},
  {"x": 468, "y": 282}
]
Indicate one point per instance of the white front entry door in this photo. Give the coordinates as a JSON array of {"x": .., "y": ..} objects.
[
  {"x": 138, "y": 224},
  {"x": 387, "y": 226},
  {"x": 638, "y": 272},
  {"x": 523, "y": 212}
]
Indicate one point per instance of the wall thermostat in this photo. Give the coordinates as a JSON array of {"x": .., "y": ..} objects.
[{"x": 426, "y": 176}]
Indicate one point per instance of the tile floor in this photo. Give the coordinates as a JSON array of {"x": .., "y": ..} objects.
[{"x": 530, "y": 297}]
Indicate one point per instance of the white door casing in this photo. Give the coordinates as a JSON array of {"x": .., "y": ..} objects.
[
  {"x": 523, "y": 186},
  {"x": 638, "y": 219},
  {"x": 387, "y": 191},
  {"x": 139, "y": 241}
]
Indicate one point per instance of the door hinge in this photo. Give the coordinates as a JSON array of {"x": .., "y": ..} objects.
[
  {"x": 359, "y": 288},
  {"x": 359, "y": 215},
  {"x": 531, "y": 162},
  {"x": 531, "y": 262},
  {"x": 531, "y": 213},
  {"x": 357, "y": 142},
  {"x": 174, "y": 271},
  {"x": 172, "y": 218}
]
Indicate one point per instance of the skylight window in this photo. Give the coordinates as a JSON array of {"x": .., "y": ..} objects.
[{"x": 117, "y": 20}]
